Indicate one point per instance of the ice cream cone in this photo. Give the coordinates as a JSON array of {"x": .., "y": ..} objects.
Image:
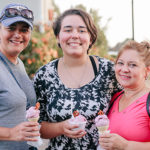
[
  {"x": 102, "y": 123},
  {"x": 33, "y": 119},
  {"x": 32, "y": 115},
  {"x": 102, "y": 129}
]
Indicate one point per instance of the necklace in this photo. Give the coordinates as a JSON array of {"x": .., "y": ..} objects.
[{"x": 78, "y": 83}]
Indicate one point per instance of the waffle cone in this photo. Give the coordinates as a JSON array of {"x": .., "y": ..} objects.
[
  {"x": 102, "y": 129},
  {"x": 33, "y": 119}
]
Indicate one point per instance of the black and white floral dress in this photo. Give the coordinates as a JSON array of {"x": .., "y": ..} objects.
[{"x": 56, "y": 101}]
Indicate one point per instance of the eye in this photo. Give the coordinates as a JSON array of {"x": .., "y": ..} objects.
[
  {"x": 11, "y": 28},
  {"x": 67, "y": 30},
  {"x": 24, "y": 30},
  {"x": 82, "y": 31},
  {"x": 132, "y": 65},
  {"x": 119, "y": 63}
]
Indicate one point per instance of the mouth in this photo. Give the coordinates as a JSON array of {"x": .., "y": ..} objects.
[
  {"x": 125, "y": 77},
  {"x": 74, "y": 44},
  {"x": 16, "y": 42}
]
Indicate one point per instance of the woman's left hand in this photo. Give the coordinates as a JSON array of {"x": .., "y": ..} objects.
[
  {"x": 112, "y": 142},
  {"x": 70, "y": 130}
]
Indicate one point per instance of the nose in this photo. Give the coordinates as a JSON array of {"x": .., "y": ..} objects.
[
  {"x": 17, "y": 34},
  {"x": 75, "y": 34},
  {"x": 125, "y": 68}
]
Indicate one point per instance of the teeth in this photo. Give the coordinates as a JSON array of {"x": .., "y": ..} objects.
[
  {"x": 74, "y": 44},
  {"x": 124, "y": 76},
  {"x": 17, "y": 42}
]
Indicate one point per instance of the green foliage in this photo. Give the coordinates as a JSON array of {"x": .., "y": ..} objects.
[{"x": 41, "y": 49}]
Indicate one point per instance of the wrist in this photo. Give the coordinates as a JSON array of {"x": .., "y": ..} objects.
[
  {"x": 9, "y": 136},
  {"x": 60, "y": 128}
]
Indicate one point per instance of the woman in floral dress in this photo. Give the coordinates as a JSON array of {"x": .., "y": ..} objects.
[{"x": 76, "y": 81}]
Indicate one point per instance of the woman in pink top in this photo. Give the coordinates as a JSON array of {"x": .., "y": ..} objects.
[{"x": 129, "y": 120}]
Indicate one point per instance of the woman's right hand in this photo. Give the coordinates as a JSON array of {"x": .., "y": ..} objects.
[
  {"x": 67, "y": 129},
  {"x": 26, "y": 131}
]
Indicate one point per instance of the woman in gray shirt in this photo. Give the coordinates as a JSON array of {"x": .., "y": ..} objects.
[{"x": 16, "y": 89}]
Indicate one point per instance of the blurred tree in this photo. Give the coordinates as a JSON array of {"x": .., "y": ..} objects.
[
  {"x": 56, "y": 8},
  {"x": 41, "y": 49}
]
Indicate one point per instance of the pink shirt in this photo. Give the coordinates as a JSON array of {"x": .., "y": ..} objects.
[{"x": 133, "y": 123}]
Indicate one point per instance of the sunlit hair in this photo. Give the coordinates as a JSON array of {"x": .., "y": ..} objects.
[
  {"x": 86, "y": 18},
  {"x": 142, "y": 48}
]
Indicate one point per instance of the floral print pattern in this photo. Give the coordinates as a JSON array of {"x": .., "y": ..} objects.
[{"x": 58, "y": 102}]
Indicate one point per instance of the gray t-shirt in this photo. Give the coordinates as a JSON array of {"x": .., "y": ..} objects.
[{"x": 13, "y": 99}]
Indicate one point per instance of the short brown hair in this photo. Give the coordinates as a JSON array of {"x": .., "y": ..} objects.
[
  {"x": 86, "y": 18},
  {"x": 142, "y": 48}
]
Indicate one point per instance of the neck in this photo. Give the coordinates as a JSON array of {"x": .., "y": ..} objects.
[
  {"x": 141, "y": 90},
  {"x": 75, "y": 61},
  {"x": 11, "y": 58},
  {"x": 76, "y": 70}
]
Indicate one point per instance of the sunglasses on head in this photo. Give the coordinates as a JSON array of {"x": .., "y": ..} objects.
[{"x": 13, "y": 12}]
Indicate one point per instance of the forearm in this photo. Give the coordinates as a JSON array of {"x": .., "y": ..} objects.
[
  {"x": 132, "y": 145},
  {"x": 50, "y": 130},
  {"x": 5, "y": 134}
]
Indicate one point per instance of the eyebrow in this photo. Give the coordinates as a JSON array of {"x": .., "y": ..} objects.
[
  {"x": 131, "y": 61},
  {"x": 71, "y": 27}
]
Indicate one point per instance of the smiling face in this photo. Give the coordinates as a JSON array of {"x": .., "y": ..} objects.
[
  {"x": 130, "y": 69},
  {"x": 14, "y": 38},
  {"x": 74, "y": 37}
]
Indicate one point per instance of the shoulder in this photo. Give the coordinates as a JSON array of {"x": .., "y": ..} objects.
[
  {"x": 104, "y": 61},
  {"x": 47, "y": 71},
  {"x": 21, "y": 64},
  {"x": 48, "y": 68},
  {"x": 104, "y": 64}
]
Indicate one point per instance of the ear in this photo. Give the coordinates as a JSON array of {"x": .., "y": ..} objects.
[
  {"x": 148, "y": 69},
  {"x": 147, "y": 72},
  {"x": 58, "y": 43}
]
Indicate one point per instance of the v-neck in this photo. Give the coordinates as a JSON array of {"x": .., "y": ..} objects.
[{"x": 131, "y": 105}]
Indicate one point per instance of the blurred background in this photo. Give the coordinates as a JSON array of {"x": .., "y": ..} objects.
[{"x": 117, "y": 21}]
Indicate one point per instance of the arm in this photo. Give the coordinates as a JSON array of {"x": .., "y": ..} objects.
[
  {"x": 21, "y": 132},
  {"x": 116, "y": 142},
  {"x": 51, "y": 130},
  {"x": 132, "y": 145},
  {"x": 4, "y": 133}
]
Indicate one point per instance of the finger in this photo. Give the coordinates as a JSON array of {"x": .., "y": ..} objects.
[
  {"x": 32, "y": 124},
  {"x": 31, "y": 139},
  {"x": 77, "y": 132},
  {"x": 105, "y": 146},
  {"x": 31, "y": 129},
  {"x": 31, "y": 134},
  {"x": 105, "y": 135},
  {"x": 104, "y": 140},
  {"x": 71, "y": 127}
]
